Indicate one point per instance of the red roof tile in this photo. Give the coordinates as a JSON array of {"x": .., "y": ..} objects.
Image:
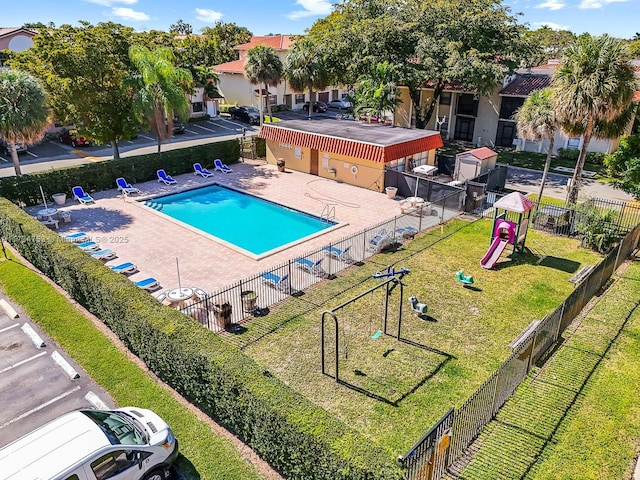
[
  {"x": 481, "y": 153},
  {"x": 525, "y": 85},
  {"x": 351, "y": 148},
  {"x": 236, "y": 66},
  {"x": 279, "y": 42}
]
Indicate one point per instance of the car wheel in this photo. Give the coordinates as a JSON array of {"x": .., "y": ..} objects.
[{"x": 157, "y": 474}]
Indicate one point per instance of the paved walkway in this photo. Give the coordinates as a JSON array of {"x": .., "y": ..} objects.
[{"x": 146, "y": 238}]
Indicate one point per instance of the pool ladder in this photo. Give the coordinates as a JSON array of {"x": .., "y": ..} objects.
[{"x": 328, "y": 213}]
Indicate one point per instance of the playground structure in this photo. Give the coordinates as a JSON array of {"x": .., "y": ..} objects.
[
  {"x": 416, "y": 306},
  {"x": 509, "y": 227},
  {"x": 392, "y": 272},
  {"x": 464, "y": 279}
]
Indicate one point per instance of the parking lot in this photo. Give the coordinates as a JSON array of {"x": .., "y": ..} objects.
[{"x": 38, "y": 383}]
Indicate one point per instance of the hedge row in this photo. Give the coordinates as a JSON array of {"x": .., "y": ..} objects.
[
  {"x": 102, "y": 175},
  {"x": 297, "y": 437}
]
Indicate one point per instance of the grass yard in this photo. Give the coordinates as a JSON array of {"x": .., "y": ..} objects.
[
  {"x": 397, "y": 390},
  {"x": 203, "y": 454},
  {"x": 536, "y": 161}
]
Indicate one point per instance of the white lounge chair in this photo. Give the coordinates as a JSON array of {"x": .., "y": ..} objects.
[
  {"x": 125, "y": 187},
  {"x": 82, "y": 196},
  {"x": 199, "y": 170},
  {"x": 338, "y": 253},
  {"x": 380, "y": 241},
  {"x": 89, "y": 246},
  {"x": 104, "y": 255},
  {"x": 148, "y": 284},
  {"x": 276, "y": 281},
  {"x": 78, "y": 237},
  {"x": 309, "y": 266},
  {"x": 126, "y": 268},
  {"x": 166, "y": 179},
  {"x": 221, "y": 167},
  {"x": 406, "y": 232}
]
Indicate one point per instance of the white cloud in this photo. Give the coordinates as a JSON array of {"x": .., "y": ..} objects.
[
  {"x": 129, "y": 14},
  {"x": 208, "y": 15},
  {"x": 551, "y": 25},
  {"x": 110, "y": 3},
  {"x": 597, "y": 3},
  {"x": 312, "y": 8},
  {"x": 552, "y": 5}
]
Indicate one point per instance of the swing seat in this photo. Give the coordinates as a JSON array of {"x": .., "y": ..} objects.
[
  {"x": 462, "y": 278},
  {"x": 376, "y": 335}
]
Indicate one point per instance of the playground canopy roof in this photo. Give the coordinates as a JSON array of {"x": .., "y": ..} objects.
[{"x": 515, "y": 202}]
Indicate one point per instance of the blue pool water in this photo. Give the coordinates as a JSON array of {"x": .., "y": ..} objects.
[{"x": 243, "y": 220}]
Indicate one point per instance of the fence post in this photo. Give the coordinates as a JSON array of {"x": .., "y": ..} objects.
[{"x": 290, "y": 287}]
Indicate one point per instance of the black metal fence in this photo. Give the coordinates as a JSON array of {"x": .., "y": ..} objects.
[
  {"x": 528, "y": 348},
  {"x": 413, "y": 185},
  {"x": 254, "y": 295}
]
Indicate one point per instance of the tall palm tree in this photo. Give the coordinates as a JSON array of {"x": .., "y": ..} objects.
[
  {"x": 592, "y": 87},
  {"x": 305, "y": 68},
  {"x": 536, "y": 120},
  {"x": 161, "y": 90},
  {"x": 24, "y": 115},
  {"x": 377, "y": 92},
  {"x": 263, "y": 67}
]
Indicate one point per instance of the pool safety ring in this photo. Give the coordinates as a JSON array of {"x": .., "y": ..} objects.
[{"x": 354, "y": 170}]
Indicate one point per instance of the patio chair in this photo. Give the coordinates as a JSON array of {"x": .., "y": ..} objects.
[
  {"x": 148, "y": 284},
  {"x": 406, "y": 232},
  {"x": 163, "y": 177},
  {"x": 337, "y": 253},
  {"x": 380, "y": 241},
  {"x": 64, "y": 216},
  {"x": 221, "y": 166},
  {"x": 89, "y": 246},
  {"x": 276, "y": 281},
  {"x": 203, "y": 172},
  {"x": 80, "y": 195},
  {"x": 125, "y": 187},
  {"x": 310, "y": 266},
  {"x": 126, "y": 268},
  {"x": 104, "y": 255},
  {"x": 77, "y": 237}
]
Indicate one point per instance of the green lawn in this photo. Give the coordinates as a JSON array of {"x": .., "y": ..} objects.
[
  {"x": 398, "y": 389},
  {"x": 536, "y": 161},
  {"x": 204, "y": 455}
]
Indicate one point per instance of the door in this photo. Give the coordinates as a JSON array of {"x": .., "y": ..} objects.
[
  {"x": 287, "y": 100},
  {"x": 464, "y": 129},
  {"x": 505, "y": 134},
  {"x": 323, "y": 96},
  {"x": 313, "y": 165},
  {"x": 117, "y": 465}
]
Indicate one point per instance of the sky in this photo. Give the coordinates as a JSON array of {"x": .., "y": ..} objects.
[{"x": 618, "y": 18}]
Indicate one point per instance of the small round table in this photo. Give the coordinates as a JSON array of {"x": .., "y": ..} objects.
[
  {"x": 47, "y": 212},
  {"x": 415, "y": 201},
  {"x": 180, "y": 294}
]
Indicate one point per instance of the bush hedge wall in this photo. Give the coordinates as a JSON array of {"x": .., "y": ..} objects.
[
  {"x": 102, "y": 175},
  {"x": 297, "y": 437}
]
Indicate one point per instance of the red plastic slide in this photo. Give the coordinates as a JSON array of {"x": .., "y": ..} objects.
[{"x": 494, "y": 252}]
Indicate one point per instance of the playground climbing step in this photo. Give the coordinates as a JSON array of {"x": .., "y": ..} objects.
[{"x": 511, "y": 444}]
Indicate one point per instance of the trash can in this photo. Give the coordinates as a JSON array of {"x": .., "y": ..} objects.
[
  {"x": 249, "y": 299},
  {"x": 59, "y": 198},
  {"x": 391, "y": 192},
  {"x": 222, "y": 312}
]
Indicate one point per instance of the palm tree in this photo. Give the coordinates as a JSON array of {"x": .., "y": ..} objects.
[
  {"x": 24, "y": 115},
  {"x": 161, "y": 90},
  {"x": 377, "y": 92},
  {"x": 263, "y": 67},
  {"x": 593, "y": 92},
  {"x": 305, "y": 68},
  {"x": 536, "y": 120}
]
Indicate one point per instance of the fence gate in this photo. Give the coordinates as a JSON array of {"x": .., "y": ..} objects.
[
  {"x": 248, "y": 148},
  {"x": 474, "y": 201},
  {"x": 428, "y": 459}
]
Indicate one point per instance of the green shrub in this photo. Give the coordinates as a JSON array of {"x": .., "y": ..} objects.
[
  {"x": 595, "y": 158},
  {"x": 569, "y": 153},
  {"x": 281, "y": 107},
  {"x": 201, "y": 118},
  {"x": 596, "y": 226},
  {"x": 102, "y": 175},
  {"x": 261, "y": 147},
  {"x": 224, "y": 107},
  {"x": 298, "y": 438}
]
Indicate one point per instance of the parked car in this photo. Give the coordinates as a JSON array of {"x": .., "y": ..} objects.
[
  {"x": 340, "y": 103},
  {"x": 317, "y": 107},
  {"x": 71, "y": 137},
  {"x": 178, "y": 126},
  {"x": 20, "y": 147},
  {"x": 245, "y": 114}
]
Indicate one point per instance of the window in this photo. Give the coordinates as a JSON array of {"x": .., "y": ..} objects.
[
  {"x": 334, "y": 95},
  {"x": 73, "y": 477},
  {"x": 273, "y": 99},
  {"x": 445, "y": 98},
  {"x": 197, "y": 107},
  {"x": 113, "y": 463},
  {"x": 509, "y": 106},
  {"x": 467, "y": 105},
  {"x": 300, "y": 98},
  {"x": 464, "y": 129},
  {"x": 505, "y": 134},
  {"x": 573, "y": 142}
]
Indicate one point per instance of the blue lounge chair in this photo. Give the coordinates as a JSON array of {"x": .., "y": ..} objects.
[
  {"x": 126, "y": 187},
  {"x": 380, "y": 241},
  {"x": 104, "y": 255},
  {"x": 80, "y": 195},
  {"x": 77, "y": 237},
  {"x": 198, "y": 170},
  {"x": 406, "y": 232},
  {"x": 340, "y": 254},
  {"x": 276, "y": 281},
  {"x": 163, "y": 177},
  {"x": 148, "y": 283},
  {"x": 126, "y": 268},
  {"x": 310, "y": 266},
  {"x": 221, "y": 166},
  {"x": 89, "y": 246}
]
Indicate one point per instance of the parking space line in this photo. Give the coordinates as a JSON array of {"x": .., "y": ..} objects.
[
  {"x": 32, "y": 154},
  {"x": 22, "y": 362},
  {"x": 96, "y": 401},
  {"x": 10, "y": 327},
  {"x": 4, "y": 160},
  {"x": 191, "y": 131},
  {"x": 148, "y": 138},
  {"x": 222, "y": 126},
  {"x": 40, "y": 407},
  {"x": 205, "y": 128}
]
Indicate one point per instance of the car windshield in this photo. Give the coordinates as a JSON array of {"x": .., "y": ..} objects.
[
  {"x": 252, "y": 110},
  {"x": 119, "y": 428}
]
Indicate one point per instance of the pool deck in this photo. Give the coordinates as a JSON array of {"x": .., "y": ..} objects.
[{"x": 153, "y": 243}]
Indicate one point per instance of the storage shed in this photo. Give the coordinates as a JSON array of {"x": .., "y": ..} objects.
[{"x": 473, "y": 163}]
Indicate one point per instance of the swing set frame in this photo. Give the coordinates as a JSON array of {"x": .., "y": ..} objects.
[{"x": 389, "y": 285}]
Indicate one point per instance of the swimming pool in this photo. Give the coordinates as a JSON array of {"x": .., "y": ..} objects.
[{"x": 240, "y": 220}]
